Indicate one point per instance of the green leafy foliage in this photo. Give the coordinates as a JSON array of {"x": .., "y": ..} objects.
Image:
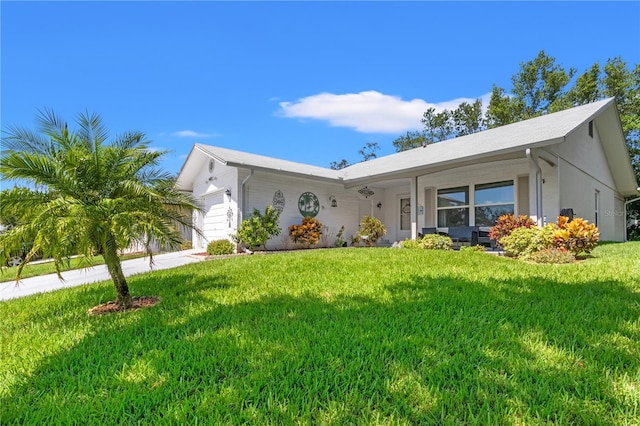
[
  {"x": 307, "y": 233},
  {"x": 476, "y": 248},
  {"x": 340, "y": 241},
  {"x": 220, "y": 247},
  {"x": 410, "y": 140},
  {"x": 523, "y": 241},
  {"x": 372, "y": 228},
  {"x": 256, "y": 231},
  {"x": 507, "y": 223},
  {"x": 429, "y": 242}
]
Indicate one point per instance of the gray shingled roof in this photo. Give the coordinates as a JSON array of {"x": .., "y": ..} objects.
[
  {"x": 540, "y": 131},
  {"x": 260, "y": 162}
]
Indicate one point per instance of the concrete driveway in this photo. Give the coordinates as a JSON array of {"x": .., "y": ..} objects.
[{"x": 77, "y": 277}]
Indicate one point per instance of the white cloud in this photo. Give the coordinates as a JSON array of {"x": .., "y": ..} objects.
[
  {"x": 194, "y": 134},
  {"x": 367, "y": 112}
]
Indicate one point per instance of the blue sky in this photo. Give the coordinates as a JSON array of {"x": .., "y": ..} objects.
[{"x": 305, "y": 81}]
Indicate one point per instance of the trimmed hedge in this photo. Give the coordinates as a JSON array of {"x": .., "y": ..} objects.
[{"x": 220, "y": 247}]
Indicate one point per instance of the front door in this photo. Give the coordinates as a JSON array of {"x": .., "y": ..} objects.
[{"x": 404, "y": 214}]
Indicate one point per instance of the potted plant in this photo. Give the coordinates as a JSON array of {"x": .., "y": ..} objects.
[{"x": 371, "y": 230}]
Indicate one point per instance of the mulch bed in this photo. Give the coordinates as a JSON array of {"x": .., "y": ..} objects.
[{"x": 136, "y": 303}]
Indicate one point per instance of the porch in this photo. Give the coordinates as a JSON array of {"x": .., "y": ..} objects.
[{"x": 466, "y": 196}]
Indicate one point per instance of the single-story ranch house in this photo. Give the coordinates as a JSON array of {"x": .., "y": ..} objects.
[{"x": 574, "y": 159}]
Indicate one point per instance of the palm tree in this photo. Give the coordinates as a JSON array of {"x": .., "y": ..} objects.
[{"x": 87, "y": 196}]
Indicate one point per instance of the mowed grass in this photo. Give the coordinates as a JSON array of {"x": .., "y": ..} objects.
[
  {"x": 8, "y": 273},
  {"x": 340, "y": 336}
]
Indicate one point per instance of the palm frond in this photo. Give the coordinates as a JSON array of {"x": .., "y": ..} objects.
[{"x": 22, "y": 139}]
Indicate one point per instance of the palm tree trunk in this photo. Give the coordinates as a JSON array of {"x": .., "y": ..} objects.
[{"x": 112, "y": 260}]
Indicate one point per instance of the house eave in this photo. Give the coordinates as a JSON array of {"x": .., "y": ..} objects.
[{"x": 423, "y": 170}]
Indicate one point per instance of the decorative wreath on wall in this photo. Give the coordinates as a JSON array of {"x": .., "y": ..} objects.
[{"x": 308, "y": 204}]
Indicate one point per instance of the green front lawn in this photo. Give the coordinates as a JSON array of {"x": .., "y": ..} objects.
[
  {"x": 341, "y": 336},
  {"x": 47, "y": 267}
]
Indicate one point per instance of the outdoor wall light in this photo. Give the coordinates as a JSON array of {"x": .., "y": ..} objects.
[
  {"x": 228, "y": 192},
  {"x": 379, "y": 205},
  {"x": 334, "y": 202}
]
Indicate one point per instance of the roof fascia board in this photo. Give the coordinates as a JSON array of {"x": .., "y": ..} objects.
[
  {"x": 337, "y": 180},
  {"x": 208, "y": 154}
]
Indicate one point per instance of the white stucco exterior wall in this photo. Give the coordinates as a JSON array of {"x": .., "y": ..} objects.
[
  {"x": 583, "y": 173},
  {"x": 262, "y": 186}
]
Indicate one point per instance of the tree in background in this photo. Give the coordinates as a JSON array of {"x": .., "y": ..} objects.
[
  {"x": 411, "y": 140},
  {"x": 98, "y": 197},
  {"x": 443, "y": 125},
  {"x": 339, "y": 165},
  {"x": 368, "y": 152}
]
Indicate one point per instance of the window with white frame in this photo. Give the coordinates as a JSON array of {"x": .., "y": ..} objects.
[
  {"x": 492, "y": 200},
  {"x": 453, "y": 207}
]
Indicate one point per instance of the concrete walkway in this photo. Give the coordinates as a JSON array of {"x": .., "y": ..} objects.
[{"x": 77, "y": 277}]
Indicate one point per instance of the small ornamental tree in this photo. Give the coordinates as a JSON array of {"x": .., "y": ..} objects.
[
  {"x": 88, "y": 194},
  {"x": 256, "y": 231},
  {"x": 308, "y": 233}
]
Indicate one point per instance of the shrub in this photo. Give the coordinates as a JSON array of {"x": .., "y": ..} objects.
[
  {"x": 428, "y": 242},
  {"x": 371, "y": 228},
  {"x": 577, "y": 236},
  {"x": 523, "y": 241},
  {"x": 478, "y": 248},
  {"x": 506, "y": 224},
  {"x": 552, "y": 255},
  {"x": 411, "y": 244},
  {"x": 255, "y": 231},
  {"x": 308, "y": 233},
  {"x": 186, "y": 245},
  {"x": 220, "y": 247},
  {"x": 340, "y": 242},
  {"x": 633, "y": 233},
  {"x": 436, "y": 242}
]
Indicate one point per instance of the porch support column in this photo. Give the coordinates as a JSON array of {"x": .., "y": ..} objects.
[
  {"x": 535, "y": 187},
  {"x": 414, "y": 207}
]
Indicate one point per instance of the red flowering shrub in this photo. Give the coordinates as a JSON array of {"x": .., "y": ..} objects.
[
  {"x": 307, "y": 233},
  {"x": 507, "y": 223}
]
